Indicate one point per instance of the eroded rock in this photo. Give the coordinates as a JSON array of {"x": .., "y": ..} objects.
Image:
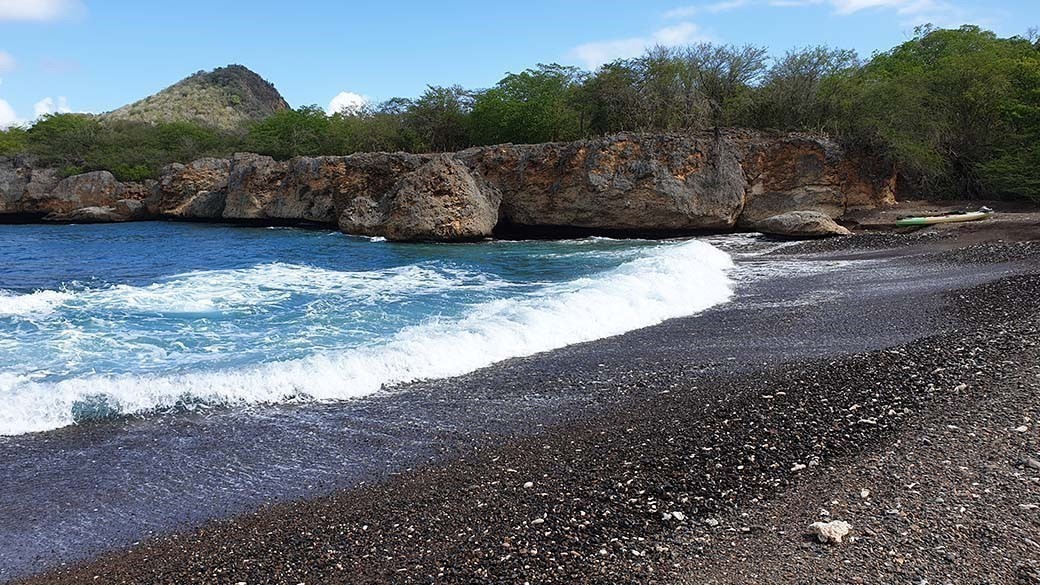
[
  {"x": 625, "y": 182},
  {"x": 636, "y": 184},
  {"x": 801, "y": 224},
  {"x": 798, "y": 171},
  {"x": 427, "y": 198},
  {"x": 197, "y": 190}
]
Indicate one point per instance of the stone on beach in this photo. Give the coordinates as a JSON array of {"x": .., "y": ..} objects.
[
  {"x": 801, "y": 224},
  {"x": 830, "y": 532}
]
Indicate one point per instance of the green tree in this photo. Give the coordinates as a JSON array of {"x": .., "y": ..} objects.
[
  {"x": 12, "y": 141},
  {"x": 801, "y": 90},
  {"x": 289, "y": 133},
  {"x": 537, "y": 105},
  {"x": 957, "y": 109},
  {"x": 611, "y": 98},
  {"x": 439, "y": 118},
  {"x": 64, "y": 140},
  {"x": 723, "y": 75}
]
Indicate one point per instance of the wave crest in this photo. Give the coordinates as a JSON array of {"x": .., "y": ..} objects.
[{"x": 672, "y": 281}]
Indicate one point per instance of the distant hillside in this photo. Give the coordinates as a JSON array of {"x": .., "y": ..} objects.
[{"x": 225, "y": 98}]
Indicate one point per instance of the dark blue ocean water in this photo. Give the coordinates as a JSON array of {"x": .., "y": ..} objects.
[{"x": 145, "y": 317}]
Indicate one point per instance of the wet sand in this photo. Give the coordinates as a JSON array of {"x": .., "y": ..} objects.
[{"x": 711, "y": 417}]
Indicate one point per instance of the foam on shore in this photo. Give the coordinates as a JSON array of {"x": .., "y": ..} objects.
[{"x": 669, "y": 281}]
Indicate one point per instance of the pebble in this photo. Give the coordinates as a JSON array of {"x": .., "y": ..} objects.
[
  {"x": 830, "y": 532},
  {"x": 556, "y": 558}
]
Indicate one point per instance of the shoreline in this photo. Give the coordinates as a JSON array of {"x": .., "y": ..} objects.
[{"x": 605, "y": 480}]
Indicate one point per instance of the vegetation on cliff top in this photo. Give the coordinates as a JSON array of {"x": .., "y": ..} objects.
[
  {"x": 224, "y": 98},
  {"x": 957, "y": 110}
]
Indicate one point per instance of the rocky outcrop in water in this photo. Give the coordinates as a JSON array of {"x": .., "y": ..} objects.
[
  {"x": 623, "y": 184},
  {"x": 409, "y": 197}
]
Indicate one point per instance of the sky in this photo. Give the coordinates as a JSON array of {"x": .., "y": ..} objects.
[{"x": 96, "y": 55}]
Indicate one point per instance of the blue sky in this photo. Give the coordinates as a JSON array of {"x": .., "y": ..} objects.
[{"x": 94, "y": 55}]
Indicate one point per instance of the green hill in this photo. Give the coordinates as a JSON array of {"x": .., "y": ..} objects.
[{"x": 223, "y": 98}]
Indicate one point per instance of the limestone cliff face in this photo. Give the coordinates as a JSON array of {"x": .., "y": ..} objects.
[
  {"x": 798, "y": 172},
  {"x": 435, "y": 197},
  {"x": 622, "y": 182},
  {"x": 626, "y": 183}
]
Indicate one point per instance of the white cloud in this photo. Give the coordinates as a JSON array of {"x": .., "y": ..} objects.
[
  {"x": 851, "y": 6},
  {"x": 944, "y": 13},
  {"x": 49, "y": 105},
  {"x": 39, "y": 10},
  {"x": 594, "y": 54},
  {"x": 938, "y": 12},
  {"x": 685, "y": 12},
  {"x": 346, "y": 102},
  {"x": 681, "y": 13},
  {"x": 7, "y": 116},
  {"x": 7, "y": 62}
]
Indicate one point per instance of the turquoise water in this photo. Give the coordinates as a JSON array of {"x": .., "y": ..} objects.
[{"x": 149, "y": 317}]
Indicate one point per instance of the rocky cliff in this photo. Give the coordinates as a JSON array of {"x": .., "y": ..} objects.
[{"x": 622, "y": 184}]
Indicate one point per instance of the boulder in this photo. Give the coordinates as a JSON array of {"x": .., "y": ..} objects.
[
  {"x": 261, "y": 188},
  {"x": 254, "y": 183},
  {"x": 133, "y": 209},
  {"x": 93, "y": 214},
  {"x": 13, "y": 181},
  {"x": 94, "y": 189},
  {"x": 408, "y": 197},
  {"x": 194, "y": 191},
  {"x": 88, "y": 197},
  {"x": 801, "y": 224}
]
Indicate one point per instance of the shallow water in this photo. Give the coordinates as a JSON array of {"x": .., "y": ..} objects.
[{"x": 152, "y": 317}]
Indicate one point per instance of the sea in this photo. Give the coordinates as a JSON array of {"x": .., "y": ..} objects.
[{"x": 156, "y": 319}]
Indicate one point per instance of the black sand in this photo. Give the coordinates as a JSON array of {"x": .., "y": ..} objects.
[{"x": 707, "y": 417}]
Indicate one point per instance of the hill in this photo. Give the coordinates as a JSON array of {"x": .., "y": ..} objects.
[{"x": 224, "y": 98}]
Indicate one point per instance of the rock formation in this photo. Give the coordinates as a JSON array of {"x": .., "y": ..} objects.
[
  {"x": 639, "y": 184},
  {"x": 801, "y": 224},
  {"x": 624, "y": 183}
]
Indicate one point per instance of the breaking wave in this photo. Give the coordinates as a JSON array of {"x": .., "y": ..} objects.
[{"x": 665, "y": 282}]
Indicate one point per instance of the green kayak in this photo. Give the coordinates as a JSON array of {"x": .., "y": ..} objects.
[{"x": 951, "y": 218}]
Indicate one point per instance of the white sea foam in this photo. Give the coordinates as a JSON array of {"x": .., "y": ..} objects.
[
  {"x": 36, "y": 303},
  {"x": 247, "y": 289},
  {"x": 669, "y": 281}
]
